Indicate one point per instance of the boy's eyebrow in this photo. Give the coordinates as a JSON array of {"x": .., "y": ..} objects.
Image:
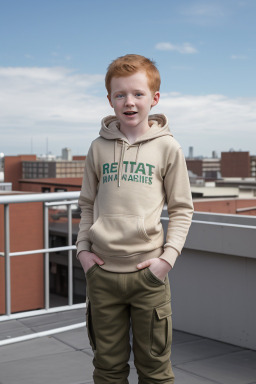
[{"x": 135, "y": 90}]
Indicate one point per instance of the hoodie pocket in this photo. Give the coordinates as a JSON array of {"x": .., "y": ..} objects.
[{"x": 119, "y": 234}]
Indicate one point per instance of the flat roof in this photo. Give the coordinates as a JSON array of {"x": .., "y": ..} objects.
[{"x": 68, "y": 181}]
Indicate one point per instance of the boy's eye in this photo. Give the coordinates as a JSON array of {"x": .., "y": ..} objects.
[
  {"x": 138, "y": 94},
  {"x": 119, "y": 96}
]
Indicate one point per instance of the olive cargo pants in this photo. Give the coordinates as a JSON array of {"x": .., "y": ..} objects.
[{"x": 116, "y": 300}]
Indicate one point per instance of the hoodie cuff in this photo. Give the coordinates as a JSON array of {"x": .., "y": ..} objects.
[
  {"x": 170, "y": 255},
  {"x": 83, "y": 246}
]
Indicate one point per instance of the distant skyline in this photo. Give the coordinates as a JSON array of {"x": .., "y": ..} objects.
[{"x": 54, "y": 55}]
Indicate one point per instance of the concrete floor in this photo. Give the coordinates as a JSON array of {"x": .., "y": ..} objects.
[{"x": 66, "y": 358}]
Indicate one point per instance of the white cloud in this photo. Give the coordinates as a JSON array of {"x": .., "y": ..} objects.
[
  {"x": 66, "y": 107},
  {"x": 211, "y": 121},
  {"x": 54, "y": 102},
  {"x": 239, "y": 57},
  {"x": 204, "y": 12},
  {"x": 29, "y": 56},
  {"x": 185, "y": 48},
  {"x": 204, "y": 9}
]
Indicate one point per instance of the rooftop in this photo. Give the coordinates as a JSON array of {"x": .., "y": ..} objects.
[
  {"x": 66, "y": 357},
  {"x": 66, "y": 181},
  {"x": 213, "y": 300}
]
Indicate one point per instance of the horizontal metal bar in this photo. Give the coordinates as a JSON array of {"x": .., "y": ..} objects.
[
  {"x": 44, "y": 250},
  {"x": 246, "y": 209},
  {"x": 39, "y": 312},
  {"x": 42, "y": 334},
  {"x": 217, "y": 214},
  {"x": 64, "y": 202},
  {"x": 217, "y": 224},
  {"x": 38, "y": 197},
  {"x": 224, "y": 224},
  {"x": 73, "y": 247}
]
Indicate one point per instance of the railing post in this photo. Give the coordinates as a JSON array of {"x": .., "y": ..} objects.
[
  {"x": 46, "y": 259},
  {"x": 7, "y": 260},
  {"x": 70, "y": 257}
]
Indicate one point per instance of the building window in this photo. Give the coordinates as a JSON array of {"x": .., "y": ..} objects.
[
  {"x": 46, "y": 189},
  {"x": 60, "y": 189}
]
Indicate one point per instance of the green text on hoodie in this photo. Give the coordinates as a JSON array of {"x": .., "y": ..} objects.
[{"x": 124, "y": 190}]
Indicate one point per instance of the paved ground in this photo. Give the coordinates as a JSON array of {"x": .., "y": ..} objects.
[{"x": 66, "y": 358}]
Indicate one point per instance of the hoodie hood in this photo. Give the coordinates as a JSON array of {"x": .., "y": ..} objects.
[{"x": 110, "y": 129}]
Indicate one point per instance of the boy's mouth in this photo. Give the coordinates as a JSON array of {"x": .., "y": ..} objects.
[{"x": 130, "y": 113}]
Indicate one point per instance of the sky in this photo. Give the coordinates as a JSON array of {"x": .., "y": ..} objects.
[{"x": 54, "y": 55}]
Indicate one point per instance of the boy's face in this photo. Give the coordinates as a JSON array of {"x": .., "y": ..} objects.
[{"x": 132, "y": 100}]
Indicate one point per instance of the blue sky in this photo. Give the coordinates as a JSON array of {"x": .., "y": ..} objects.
[{"x": 54, "y": 54}]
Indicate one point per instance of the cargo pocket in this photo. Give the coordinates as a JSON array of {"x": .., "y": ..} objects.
[
  {"x": 161, "y": 329},
  {"x": 89, "y": 325}
]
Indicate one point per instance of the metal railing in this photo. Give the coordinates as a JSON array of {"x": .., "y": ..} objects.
[
  {"x": 219, "y": 234},
  {"x": 48, "y": 200},
  {"x": 67, "y": 199}
]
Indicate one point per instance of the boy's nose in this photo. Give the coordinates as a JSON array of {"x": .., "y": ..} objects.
[{"x": 129, "y": 101}]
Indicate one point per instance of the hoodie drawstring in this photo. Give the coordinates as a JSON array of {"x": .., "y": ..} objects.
[
  {"x": 137, "y": 154},
  {"x": 120, "y": 165},
  {"x": 115, "y": 150}
]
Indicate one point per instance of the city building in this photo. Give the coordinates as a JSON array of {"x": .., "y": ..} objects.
[
  {"x": 253, "y": 166},
  {"x": 52, "y": 169},
  {"x": 1, "y": 167},
  {"x": 66, "y": 154},
  {"x": 18, "y": 170},
  {"x": 207, "y": 168},
  {"x": 231, "y": 164},
  {"x": 27, "y": 272},
  {"x": 235, "y": 164},
  {"x": 13, "y": 169}
]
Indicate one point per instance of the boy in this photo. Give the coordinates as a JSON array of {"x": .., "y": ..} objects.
[{"x": 131, "y": 170}]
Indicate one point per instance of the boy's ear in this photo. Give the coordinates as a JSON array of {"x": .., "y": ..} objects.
[
  {"x": 109, "y": 99},
  {"x": 156, "y": 98}
]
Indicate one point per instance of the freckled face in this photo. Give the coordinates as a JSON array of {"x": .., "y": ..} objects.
[{"x": 132, "y": 100}]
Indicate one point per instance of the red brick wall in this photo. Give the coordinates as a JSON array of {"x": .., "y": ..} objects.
[
  {"x": 225, "y": 206},
  {"x": 77, "y": 157},
  {"x": 27, "y": 272},
  {"x": 13, "y": 169},
  {"x": 195, "y": 166},
  {"x": 235, "y": 164}
]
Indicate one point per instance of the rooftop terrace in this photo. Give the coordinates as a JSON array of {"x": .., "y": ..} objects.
[
  {"x": 66, "y": 357},
  {"x": 213, "y": 299}
]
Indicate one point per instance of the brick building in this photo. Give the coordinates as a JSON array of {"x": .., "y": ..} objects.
[
  {"x": 13, "y": 169},
  {"x": 26, "y": 173},
  {"x": 195, "y": 166},
  {"x": 235, "y": 164},
  {"x": 231, "y": 164},
  {"x": 52, "y": 169},
  {"x": 27, "y": 272},
  {"x": 206, "y": 168}
]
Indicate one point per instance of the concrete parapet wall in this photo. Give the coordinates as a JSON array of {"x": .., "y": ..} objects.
[{"x": 213, "y": 282}]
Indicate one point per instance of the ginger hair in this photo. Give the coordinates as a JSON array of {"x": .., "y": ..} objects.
[{"x": 130, "y": 64}]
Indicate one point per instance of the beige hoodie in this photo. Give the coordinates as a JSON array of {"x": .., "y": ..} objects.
[{"x": 123, "y": 193}]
